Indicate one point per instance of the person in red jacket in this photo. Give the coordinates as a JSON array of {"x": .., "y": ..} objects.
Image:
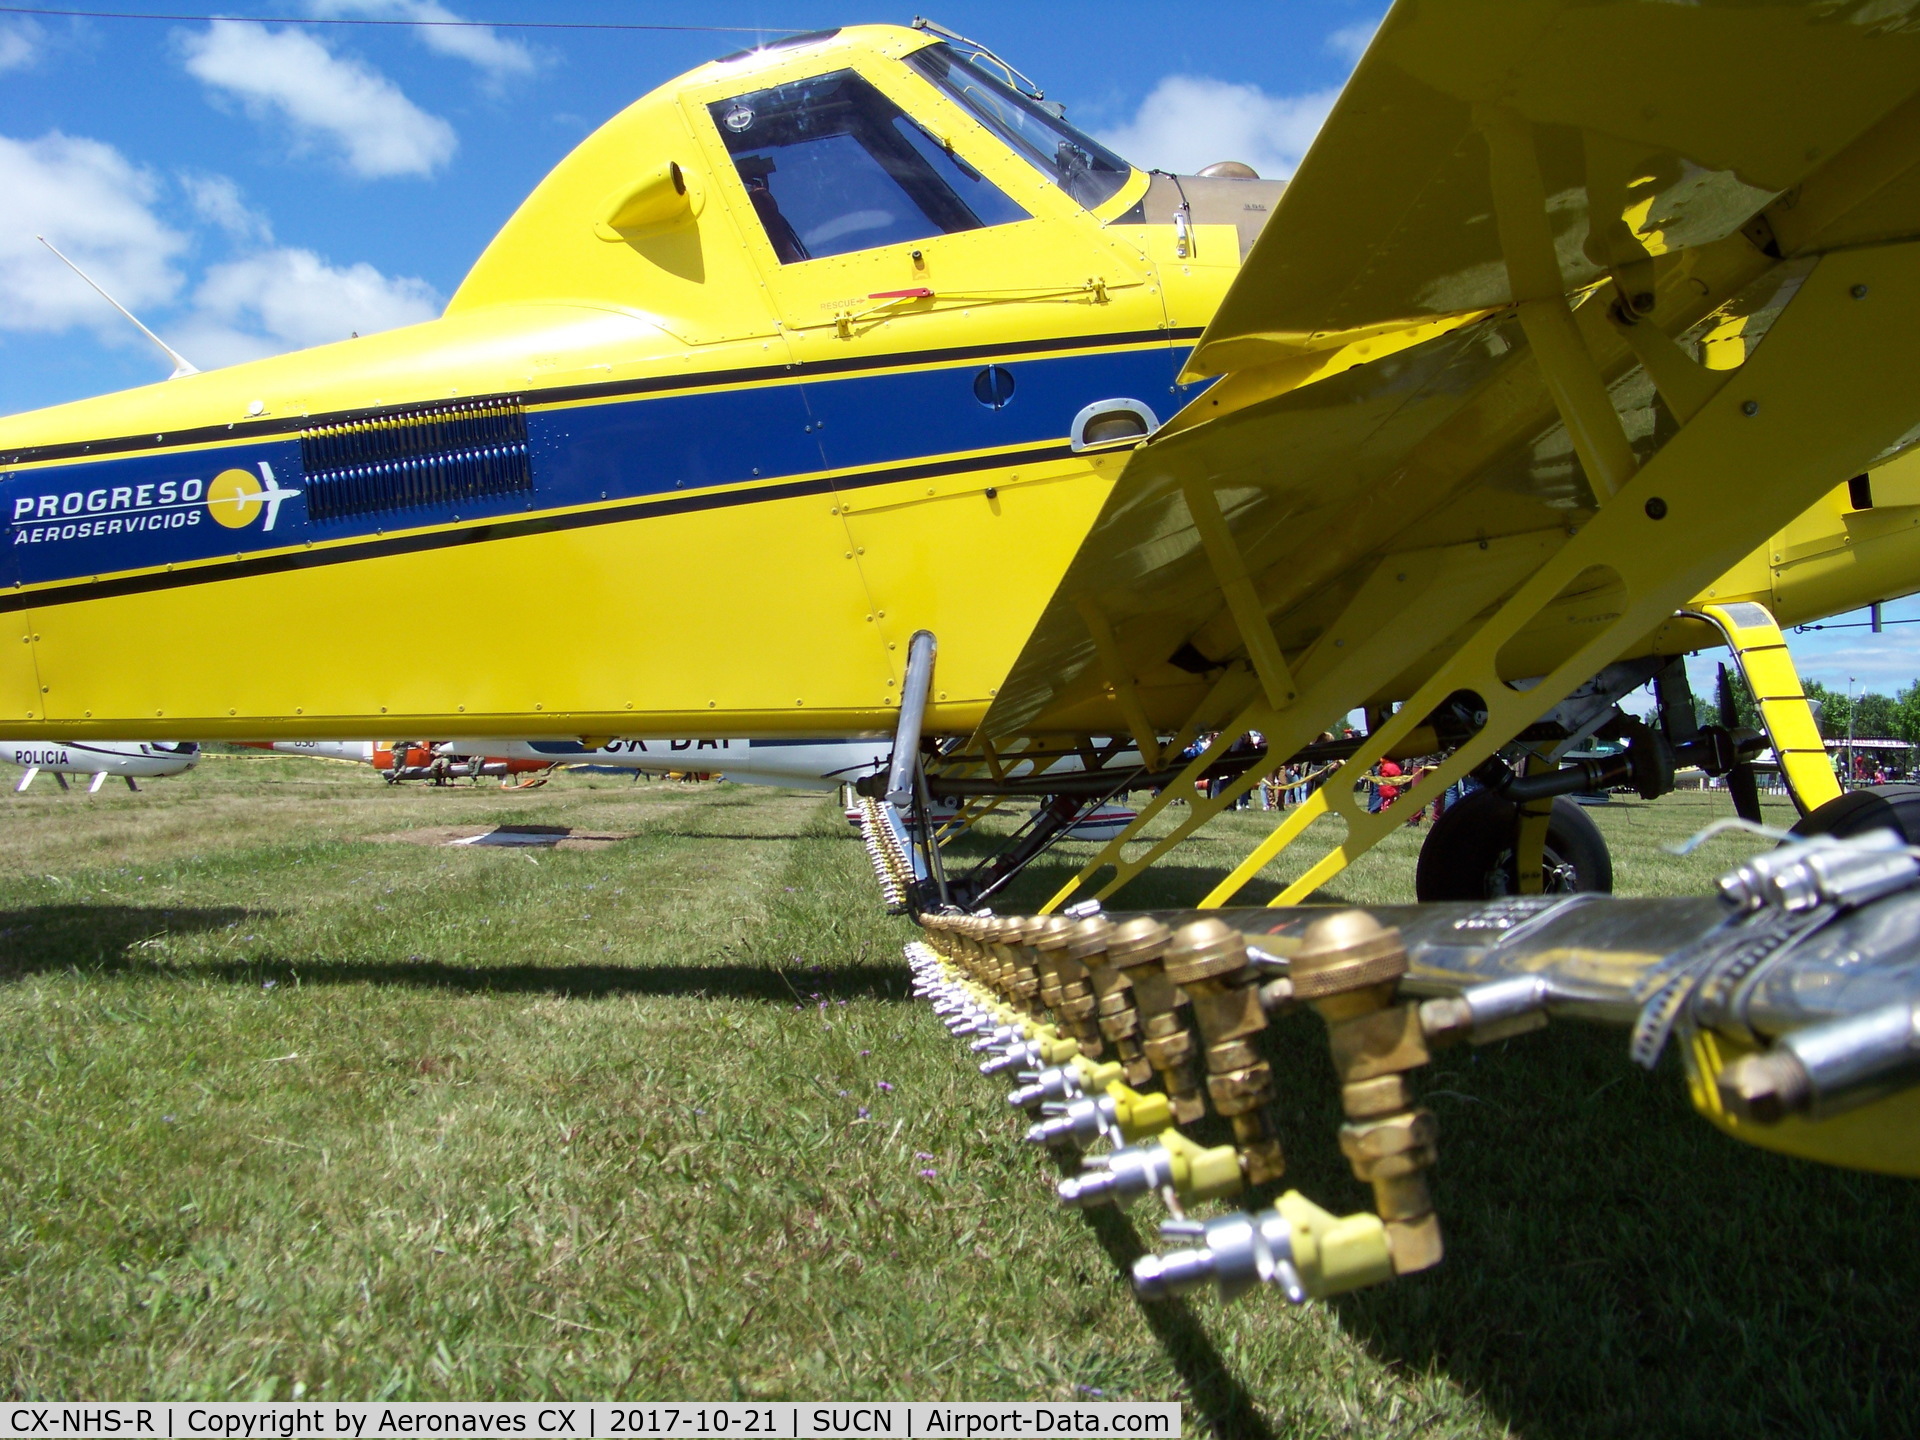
[{"x": 1386, "y": 786}]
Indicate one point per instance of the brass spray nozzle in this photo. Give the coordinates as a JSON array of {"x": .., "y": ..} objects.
[
  {"x": 1208, "y": 960},
  {"x": 1348, "y": 968},
  {"x": 1136, "y": 947},
  {"x": 1065, "y": 986}
]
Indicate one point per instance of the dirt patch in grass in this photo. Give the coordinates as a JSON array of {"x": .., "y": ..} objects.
[{"x": 537, "y": 837}]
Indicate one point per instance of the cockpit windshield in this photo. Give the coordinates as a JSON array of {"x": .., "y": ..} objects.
[
  {"x": 831, "y": 165},
  {"x": 1077, "y": 163}
]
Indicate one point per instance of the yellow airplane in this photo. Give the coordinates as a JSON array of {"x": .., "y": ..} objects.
[{"x": 885, "y": 401}]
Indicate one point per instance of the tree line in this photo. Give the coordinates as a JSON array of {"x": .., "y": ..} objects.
[{"x": 1875, "y": 716}]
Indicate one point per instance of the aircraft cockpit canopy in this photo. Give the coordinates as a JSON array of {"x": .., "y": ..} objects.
[
  {"x": 1077, "y": 163},
  {"x": 832, "y": 165}
]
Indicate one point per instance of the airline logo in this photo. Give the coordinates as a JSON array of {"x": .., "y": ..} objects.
[{"x": 234, "y": 499}]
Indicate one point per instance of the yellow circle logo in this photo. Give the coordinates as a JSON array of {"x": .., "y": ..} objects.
[{"x": 233, "y": 498}]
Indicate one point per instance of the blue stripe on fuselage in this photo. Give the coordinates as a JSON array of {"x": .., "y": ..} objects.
[
  {"x": 583, "y": 454},
  {"x": 70, "y": 521}
]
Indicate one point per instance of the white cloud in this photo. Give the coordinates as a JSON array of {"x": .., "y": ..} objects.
[
  {"x": 1350, "y": 41},
  {"x": 133, "y": 235},
  {"x": 20, "y": 42},
  {"x": 478, "y": 45},
  {"x": 324, "y": 97},
  {"x": 1884, "y": 662},
  {"x": 217, "y": 201},
  {"x": 98, "y": 207},
  {"x": 287, "y": 299},
  {"x": 1190, "y": 121}
]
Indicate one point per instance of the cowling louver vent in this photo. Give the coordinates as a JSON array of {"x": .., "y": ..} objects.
[{"x": 434, "y": 456}]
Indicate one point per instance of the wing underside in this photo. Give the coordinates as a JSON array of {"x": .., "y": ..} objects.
[{"x": 1530, "y": 248}]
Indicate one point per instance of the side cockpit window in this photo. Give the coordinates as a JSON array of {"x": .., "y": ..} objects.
[
  {"x": 832, "y": 165},
  {"x": 1038, "y": 132}
]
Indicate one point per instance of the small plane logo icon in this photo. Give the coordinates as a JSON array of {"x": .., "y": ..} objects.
[{"x": 235, "y": 498}]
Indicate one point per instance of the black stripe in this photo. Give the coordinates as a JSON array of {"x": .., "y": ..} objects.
[
  {"x": 610, "y": 389},
  {"x": 383, "y": 548}
]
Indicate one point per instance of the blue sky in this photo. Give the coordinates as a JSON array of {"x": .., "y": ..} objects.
[
  {"x": 248, "y": 189},
  {"x": 1887, "y": 662},
  {"x": 252, "y": 188}
]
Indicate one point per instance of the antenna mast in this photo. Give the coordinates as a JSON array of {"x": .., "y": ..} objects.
[{"x": 181, "y": 365}]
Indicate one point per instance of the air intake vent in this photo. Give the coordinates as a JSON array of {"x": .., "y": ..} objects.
[{"x": 435, "y": 456}]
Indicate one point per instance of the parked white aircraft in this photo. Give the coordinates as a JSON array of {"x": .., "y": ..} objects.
[
  {"x": 795, "y": 764},
  {"x": 791, "y": 764},
  {"x": 100, "y": 758},
  {"x": 361, "y": 751},
  {"x": 397, "y": 760}
]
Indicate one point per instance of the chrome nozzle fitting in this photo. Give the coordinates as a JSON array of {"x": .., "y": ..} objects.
[
  {"x": 1060, "y": 1083},
  {"x": 999, "y": 1035},
  {"x": 1082, "y": 1122},
  {"x": 1161, "y": 1277},
  {"x": 1239, "y": 1252},
  {"x": 1119, "y": 1178},
  {"x": 1019, "y": 1057},
  {"x": 1026, "y": 1097}
]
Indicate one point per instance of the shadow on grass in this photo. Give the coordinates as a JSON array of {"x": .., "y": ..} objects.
[
  {"x": 107, "y": 940},
  {"x": 1164, "y": 886},
  {"x": 725, "y": 980},
  {"x": 1617, "y": 1267},
  {"x": 1227, "y": 1407},
  {"x": 39, "y": 938}
]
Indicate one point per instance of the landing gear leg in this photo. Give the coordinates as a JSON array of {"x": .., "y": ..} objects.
[
  {"x": 1471, "y": 853},
  {"x": 1532, "y": 820}
]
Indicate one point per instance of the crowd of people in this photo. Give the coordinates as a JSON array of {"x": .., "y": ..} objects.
[
  {"x": 1388, "y": 781},
  {"x": 1291, "y": 784}
]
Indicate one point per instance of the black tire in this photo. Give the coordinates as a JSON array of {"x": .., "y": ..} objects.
[
  {"x": 1878, "y": 807},
  {"x": 1468, "y": 855}
]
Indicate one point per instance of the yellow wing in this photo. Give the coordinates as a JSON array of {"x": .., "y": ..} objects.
[{"x": 1490, "y": 332}]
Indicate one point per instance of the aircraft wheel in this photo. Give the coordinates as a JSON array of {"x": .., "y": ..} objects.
[
  {"x": 1468, "y": 855},
  {"x": 1878, "y": 807}
]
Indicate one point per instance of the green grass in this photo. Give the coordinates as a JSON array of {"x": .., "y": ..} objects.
[
  {"x": 287, "y": 1111},
  {"x": 1637, "y": 835}
]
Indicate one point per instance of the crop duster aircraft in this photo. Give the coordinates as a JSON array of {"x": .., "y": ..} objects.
[{"x": 887, "y": 402}]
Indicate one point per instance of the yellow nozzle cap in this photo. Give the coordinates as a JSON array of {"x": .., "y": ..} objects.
[{"x": 1335, "y": 1253}]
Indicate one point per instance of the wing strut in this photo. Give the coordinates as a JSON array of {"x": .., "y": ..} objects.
[
  {"x": 1230, "y": 568},
  {"x": 1533, "y": 274},
  {"x": 1124, "y": 693}
]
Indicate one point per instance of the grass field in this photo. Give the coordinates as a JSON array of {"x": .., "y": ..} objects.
[{"x": 287, "y": 1111}]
